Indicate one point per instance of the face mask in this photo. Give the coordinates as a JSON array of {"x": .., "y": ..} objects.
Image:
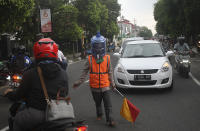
[{"x": 98, "y": 52}]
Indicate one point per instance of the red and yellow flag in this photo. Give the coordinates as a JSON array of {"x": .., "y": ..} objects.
[{"x": 129, "y": 111}]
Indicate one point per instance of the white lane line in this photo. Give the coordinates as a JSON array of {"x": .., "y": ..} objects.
[
  {"x": 5, "y": 129},
  {"x": 195, "y": 79}
]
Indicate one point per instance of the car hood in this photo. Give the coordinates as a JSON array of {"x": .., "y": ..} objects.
[{"x": 143, "y": 63}]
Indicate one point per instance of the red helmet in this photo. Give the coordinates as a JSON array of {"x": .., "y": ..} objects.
[{"x": 45, "y": 48}]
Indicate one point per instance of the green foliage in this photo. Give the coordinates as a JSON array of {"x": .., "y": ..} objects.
[
  {"x": 145, "y": 32},
  {"x": 69, "y": 19},
  {"x": 177, "y": 17},
  {"x": 65, "y": 27},
  {"x": 98, "y": 15},
  {"x": 14, "y": 13}
]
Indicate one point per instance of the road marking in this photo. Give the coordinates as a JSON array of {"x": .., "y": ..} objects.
[
  {"x": 195, "y": 79},
  {"x": 5, "y": 129}
]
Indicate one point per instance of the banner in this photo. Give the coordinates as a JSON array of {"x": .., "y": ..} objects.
[{"x": 45, "y": 16}]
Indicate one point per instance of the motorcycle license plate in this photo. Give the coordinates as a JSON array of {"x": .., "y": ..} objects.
[
  {"x": 142, "y": 77},
  {"x": 14, "y": 84}
]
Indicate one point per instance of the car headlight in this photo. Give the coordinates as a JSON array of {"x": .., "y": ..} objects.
[
  {"x": 165, "y": 67},
  {"x": 120, "y": 69}
]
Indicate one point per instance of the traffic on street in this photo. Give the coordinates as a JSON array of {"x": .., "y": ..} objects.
[
  {"x": 160, "y": 109},
  {"x": 99, "y": 65}
]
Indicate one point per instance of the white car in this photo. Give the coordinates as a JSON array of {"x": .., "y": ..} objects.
[
  {"x": 128, "y": 40},
  {"x": 143, "y": 64}
]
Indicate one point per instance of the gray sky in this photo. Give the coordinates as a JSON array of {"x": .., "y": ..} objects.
[{"x": 141, "y": 10}]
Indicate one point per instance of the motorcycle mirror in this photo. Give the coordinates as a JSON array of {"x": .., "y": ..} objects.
[{"x": 169, "y": 53}]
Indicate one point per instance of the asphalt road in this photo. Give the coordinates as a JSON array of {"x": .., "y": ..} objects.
[{"x": 176, "y": 110}]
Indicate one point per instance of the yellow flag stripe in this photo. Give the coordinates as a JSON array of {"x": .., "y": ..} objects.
[{"x": 125, "y": 112}]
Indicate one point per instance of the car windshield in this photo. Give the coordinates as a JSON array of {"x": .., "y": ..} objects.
[{"x": 142, "y": 50}]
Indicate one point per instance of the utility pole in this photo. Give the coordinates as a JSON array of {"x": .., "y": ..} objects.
[{"x": 135, "y": 31}]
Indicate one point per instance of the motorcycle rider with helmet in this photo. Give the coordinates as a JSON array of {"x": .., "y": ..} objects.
[
  {"x": 180, "y": 48},
  {"x": 20, "y": 61},
  {"x": 62, "y": 60},
  {"x": 101, "y": 79},
  {"x": 30, "y": 90}
]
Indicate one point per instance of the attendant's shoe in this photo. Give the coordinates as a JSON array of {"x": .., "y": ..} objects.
[
  {"x": 111, "y": 123},
  {"x": 99, "y": 118}
]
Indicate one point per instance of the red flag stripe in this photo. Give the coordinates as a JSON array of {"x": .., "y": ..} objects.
[{"x": 133, "y": 110}]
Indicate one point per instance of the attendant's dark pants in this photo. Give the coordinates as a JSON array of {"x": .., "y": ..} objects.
[{"x": 105, "y": 96}]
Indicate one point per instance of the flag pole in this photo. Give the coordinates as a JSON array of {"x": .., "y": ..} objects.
[{"x": 119, "y": 92}]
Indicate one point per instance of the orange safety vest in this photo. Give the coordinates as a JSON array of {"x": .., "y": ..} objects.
[{"x": 99, "y": 72}]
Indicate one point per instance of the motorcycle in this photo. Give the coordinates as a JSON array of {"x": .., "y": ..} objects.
[
  {"x": 14, "y": 80},
  {"x": 183, "y": 63},
  {"x": 63, "y": 125},
  {"x": 66, "y": 124}
]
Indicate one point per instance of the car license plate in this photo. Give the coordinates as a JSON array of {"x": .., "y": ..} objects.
[{"x": 142, "y": 77}]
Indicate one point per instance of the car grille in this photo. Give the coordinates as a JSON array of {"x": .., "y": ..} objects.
[
  {"x": 151, "y": 71},
  {"x": 153, "y": 82}
]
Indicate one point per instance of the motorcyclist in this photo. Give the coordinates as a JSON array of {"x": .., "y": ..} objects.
[
  {"x": 165, "y": 44},
  {"x": 62, "y": 60},
  {"x": 180, "y": 48},
  {"x": 30, "y": 90},
  {"x": 20, "y": 61}
]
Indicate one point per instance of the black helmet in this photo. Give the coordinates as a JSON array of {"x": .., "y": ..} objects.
[
  {"x": 181, "y": 40},
  {"x": 21, "y": 49}
]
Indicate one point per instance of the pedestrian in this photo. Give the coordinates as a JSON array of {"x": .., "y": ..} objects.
[{"x": 101, "y": 80}]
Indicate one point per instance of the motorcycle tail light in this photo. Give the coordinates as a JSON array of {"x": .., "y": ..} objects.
[
  {"x": 81, "y": 128},
  {"x": 16, "y": 77}
]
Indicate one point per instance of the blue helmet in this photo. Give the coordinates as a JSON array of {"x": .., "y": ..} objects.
[{"x": 98, "y": 46}]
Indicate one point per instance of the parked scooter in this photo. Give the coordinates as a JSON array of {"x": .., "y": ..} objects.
[{"x": 183, "y": 63}]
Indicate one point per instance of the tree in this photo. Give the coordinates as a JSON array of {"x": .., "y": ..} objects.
[
  {"x": 14, "y": 13},
  {"x": 98, "y": 15},
  {"x": 111, "y": 28},
  {"x": 177, "y": 17},
  {"x": 65, "y": 27},
  {"x": 145, "y": 32}
]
